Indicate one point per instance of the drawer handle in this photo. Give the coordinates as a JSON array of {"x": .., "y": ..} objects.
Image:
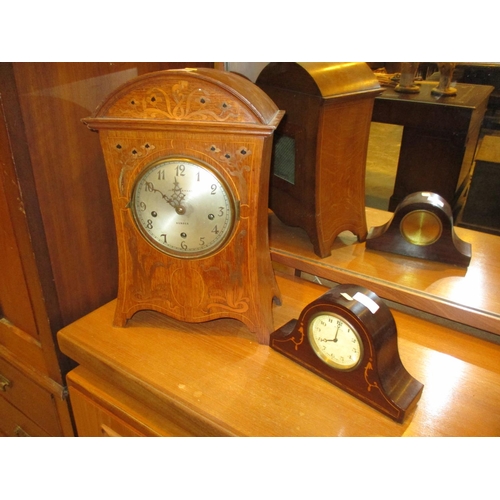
[{"x": 4, "y": 383}]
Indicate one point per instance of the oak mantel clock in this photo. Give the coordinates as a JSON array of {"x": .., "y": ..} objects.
[
  {"x": 348, "y": 336},
  {"x": 320, "y": 147},
  {"x": 188, "y": 156}
]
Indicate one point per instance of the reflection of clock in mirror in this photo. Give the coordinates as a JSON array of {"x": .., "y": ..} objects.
[
  {"x": 421, "y": 227},
  {"x": 348, "y": 336},
  {"x": 183, "y": 207},
  {"x": 188, "y": 156},
  {"x": 320, "y": 147}
]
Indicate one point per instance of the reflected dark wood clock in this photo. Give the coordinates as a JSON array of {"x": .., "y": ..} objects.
[
  {"x": 348, "y": 336},
  {"x": 422, "y": 227},
  {"x": 188, "y": 157},
  {"x": 320, "y": 148}
]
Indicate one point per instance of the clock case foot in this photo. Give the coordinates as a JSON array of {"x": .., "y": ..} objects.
[{"x": 260, "y": 324}]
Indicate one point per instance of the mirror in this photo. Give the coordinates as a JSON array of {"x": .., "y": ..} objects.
[{"x": 466, "y": 296}]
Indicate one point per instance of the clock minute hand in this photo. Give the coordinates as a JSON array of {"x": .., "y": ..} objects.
[{"x": 336, "y": 333}]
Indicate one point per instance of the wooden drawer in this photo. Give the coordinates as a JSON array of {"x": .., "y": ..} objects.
[
  {"x": 92, "y": 420},
  {"x": 101, "y": 410},
  {"x": 31, "y": 399},
  {"x": 15, "y": 423}
]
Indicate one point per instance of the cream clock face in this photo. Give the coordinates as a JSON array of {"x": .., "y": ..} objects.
[
  {"x": 183, "y": 207},
  {"x": 335, "y": 341}
]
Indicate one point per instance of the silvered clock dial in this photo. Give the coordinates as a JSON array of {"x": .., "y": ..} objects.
[{"x": 183, "y": 208}]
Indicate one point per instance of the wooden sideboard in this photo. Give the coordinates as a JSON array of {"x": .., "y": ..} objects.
[{"x": 161, "y": 377}]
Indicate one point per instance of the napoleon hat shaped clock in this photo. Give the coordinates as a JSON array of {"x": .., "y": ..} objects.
[{"x": 188, "y": 154}]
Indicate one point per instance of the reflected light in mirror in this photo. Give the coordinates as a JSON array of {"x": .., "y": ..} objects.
[{"x": 472, "y": 295}]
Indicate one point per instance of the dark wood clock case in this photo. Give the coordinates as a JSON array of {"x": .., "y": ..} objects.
[{"x": 422, "y": 227}]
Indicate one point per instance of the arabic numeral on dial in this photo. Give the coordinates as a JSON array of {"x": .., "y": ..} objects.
[
  {"x": 164, "y": 237},
  {"x": 142, "y": 206},
  {"x": 202, "y": 241},
  {"x": 180, "y": 169},
  {"x": 221, "y": 211},
  {"x": 213, "y": 187},
  {"x": 149, "y": 224},
  {"x": 184, "y": 245},
  {"x": 161, "y": 175},
  {"x": 215, "y": 230},
  {"x": 150, "y": 187}
]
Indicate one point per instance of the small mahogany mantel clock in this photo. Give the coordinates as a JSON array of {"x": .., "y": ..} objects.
[
  {"x": 188, "y": 156},
  {"x": 348, "y": 336},
  {"x": 320, "y": 147}
]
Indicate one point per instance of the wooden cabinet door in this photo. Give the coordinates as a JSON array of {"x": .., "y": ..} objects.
[{"x": 15, "y": 303}]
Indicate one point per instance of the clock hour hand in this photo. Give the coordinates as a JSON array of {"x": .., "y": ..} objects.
[
  {"x": 177, "y": 198},
  {"x": 175, "y": 201}
]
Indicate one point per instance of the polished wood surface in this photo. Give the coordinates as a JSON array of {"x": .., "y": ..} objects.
[
  {"x": 468, "y": 296},
  {"x": 215, "y": 379},
  {"x": 439, "y": 138},
  {"x": 218, "y": 119}
]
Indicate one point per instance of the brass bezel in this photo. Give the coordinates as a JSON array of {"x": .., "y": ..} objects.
[{"x": 429, "y": 227}]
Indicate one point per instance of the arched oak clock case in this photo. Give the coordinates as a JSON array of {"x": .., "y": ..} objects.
[{"x": 188, "y": 157}]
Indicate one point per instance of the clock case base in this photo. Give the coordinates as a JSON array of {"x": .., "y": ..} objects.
[
  {"x": 380, "y": 379},
  {"x": 448, "y": 248}
]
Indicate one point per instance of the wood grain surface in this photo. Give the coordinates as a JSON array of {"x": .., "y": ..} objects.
[{"x": 216, "y": 379}]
